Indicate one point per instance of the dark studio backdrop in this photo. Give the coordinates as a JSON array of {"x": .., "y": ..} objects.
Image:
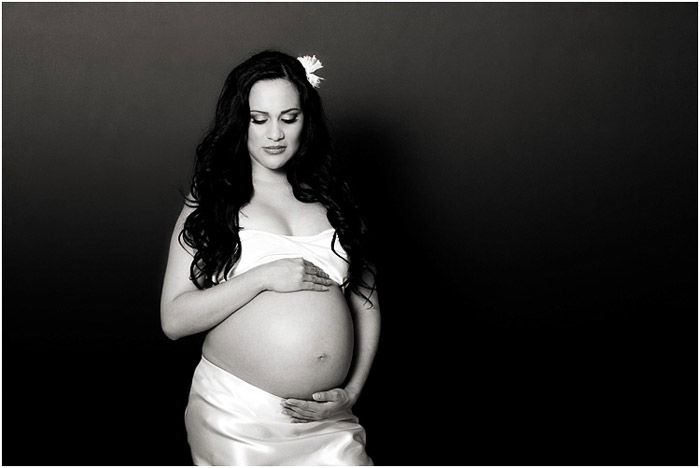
[{"x": 529, "y": 172}]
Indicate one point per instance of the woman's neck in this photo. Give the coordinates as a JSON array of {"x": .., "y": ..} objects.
[
  {"x": 273, "y": 183},
  {"x": 269, "y": 177}
]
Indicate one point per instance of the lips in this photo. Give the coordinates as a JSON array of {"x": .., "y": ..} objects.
[{"x": 274, "y": 149}]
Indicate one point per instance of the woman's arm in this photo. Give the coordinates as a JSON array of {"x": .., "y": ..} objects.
[
  {"x": 367, "y": 328},
  {"x": 186, "y": 310},
  {"x": 367, "y": 322}
]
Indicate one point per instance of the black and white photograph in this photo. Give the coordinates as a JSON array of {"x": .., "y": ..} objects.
[{"x": 337, "y": 233}]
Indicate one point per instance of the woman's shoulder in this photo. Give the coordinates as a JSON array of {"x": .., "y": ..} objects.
[
  {"x": 189, "y": 204},
  {"x": 187, "y": 209}
]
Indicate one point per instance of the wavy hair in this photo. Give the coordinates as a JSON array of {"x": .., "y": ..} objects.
[{"x": 222, "y": 181}]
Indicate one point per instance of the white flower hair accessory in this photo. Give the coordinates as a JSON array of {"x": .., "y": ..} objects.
[{"x": 311, "y": 64}]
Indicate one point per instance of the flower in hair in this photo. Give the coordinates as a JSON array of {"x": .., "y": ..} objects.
[{"x": 311, "y": 64}]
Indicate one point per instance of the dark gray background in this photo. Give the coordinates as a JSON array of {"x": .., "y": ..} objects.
[{"x": 529, "y": 172}]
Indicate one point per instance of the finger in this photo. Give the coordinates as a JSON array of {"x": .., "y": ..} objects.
[
  {"x": 296, "y": 403},
  {"x": 301, "y": 414},
  {"x": 311, "y": 286},
  {"x": 322, "y": 273},
  {"x": 317, "y": 278},
  {"x": 303, "y": 405},
  {"x": 326, "y": 281},
  {"x": 330, "y": 395},
  {"x": 314, "y": 269},
  {"x": 314, "y": 279},
  {"x": 319, "y": 272},
  {"x": 320, "y": 280},
  {"x": 299, "y": 420},
  {"x": 297, "y": 414}
]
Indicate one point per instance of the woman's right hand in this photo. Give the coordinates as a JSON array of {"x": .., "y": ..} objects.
[{"x": 294, "y": 274}]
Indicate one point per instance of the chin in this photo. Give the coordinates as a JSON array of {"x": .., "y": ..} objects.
[
  {"x": 277, "y": 167},
  {"x": 272, "y": 163}
]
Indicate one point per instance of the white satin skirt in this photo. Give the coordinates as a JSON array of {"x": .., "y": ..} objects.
[{"x": 232, "y": 422}]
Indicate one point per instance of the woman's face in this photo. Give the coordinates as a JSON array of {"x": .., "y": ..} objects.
[{"x": 276, "y": 121}]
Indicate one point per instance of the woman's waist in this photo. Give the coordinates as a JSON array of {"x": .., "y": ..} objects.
[
  {"x": 252, "y": 403},
  {"x": 282, "y": 380}
]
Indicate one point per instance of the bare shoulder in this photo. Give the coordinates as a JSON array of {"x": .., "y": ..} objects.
[{"x": 184, "y": 213}]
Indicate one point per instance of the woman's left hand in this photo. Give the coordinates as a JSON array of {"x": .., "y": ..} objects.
[{"x": 324, "y": 405}]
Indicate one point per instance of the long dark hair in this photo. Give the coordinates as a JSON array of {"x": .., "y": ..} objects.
[{"x": 222, "y": 181}]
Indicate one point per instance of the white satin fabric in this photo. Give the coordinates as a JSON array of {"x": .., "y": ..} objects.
[
  {"x": 258, "y": 247},
  {"x": 232, "y": 422}
]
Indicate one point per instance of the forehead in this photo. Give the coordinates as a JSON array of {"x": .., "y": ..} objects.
[{"x": 271, "y": 95}]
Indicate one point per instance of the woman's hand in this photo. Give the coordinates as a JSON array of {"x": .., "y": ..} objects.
[
  {"x": 324, "y": 405},
  {"x": 294, "y": 274}
]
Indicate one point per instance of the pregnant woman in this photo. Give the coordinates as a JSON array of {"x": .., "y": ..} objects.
[{"x": 269, "y": 257}]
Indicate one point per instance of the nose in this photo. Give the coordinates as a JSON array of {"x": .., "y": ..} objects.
[{"x": 275, "y": 132}]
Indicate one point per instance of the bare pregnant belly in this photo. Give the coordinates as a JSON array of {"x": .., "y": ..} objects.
[{"x": 288, "y": 344}]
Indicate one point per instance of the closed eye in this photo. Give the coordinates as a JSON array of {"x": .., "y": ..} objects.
[{"x": 262, "y": 121}]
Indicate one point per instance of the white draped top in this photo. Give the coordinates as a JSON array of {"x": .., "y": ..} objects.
[{"x": 260, "y": 247}]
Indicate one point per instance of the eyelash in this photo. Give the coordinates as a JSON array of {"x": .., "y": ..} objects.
[{"x": 260, "y": 122}]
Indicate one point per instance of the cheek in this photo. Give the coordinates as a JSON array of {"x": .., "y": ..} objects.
[
  {"x": 253, "y": 135},
  {"x": 295, "y": 134}
]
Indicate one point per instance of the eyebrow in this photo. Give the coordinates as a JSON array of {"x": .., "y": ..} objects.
[{"x": 283, "y": 112}]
